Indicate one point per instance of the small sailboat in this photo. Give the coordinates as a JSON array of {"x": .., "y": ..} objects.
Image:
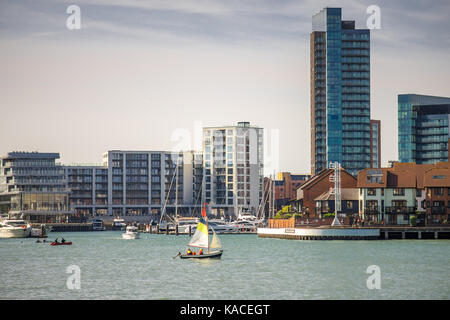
[{"x": 200, "y": 239}]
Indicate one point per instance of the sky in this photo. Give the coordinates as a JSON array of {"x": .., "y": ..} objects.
[{"x": 137, "y": 73}]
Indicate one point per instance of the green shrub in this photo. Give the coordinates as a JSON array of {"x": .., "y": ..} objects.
[
  {"x": 328, "y": 215},
  {"x": 413, "y": 221}
]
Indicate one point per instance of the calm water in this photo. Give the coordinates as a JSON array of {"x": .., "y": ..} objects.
[{"x": 250, "y": 268}]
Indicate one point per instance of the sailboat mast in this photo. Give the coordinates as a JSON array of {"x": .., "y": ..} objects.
[
  {"x": 273, "y": 196},
  {"x": 176, "y": 192},
  {"x": 207, "y": 226}
]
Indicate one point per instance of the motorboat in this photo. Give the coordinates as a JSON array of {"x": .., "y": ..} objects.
[
  {"x": 131, "y": 232},
  {"x": 246, "y": 226},
  {"x": 184, "y": 224},
  {"x": 97, "y": 225},
  {"x": 119, "y": 224},
  {"x": 221, "y": 226},
  {"x": 164, "y": 225},
  {"x": 14, "y": 228},
  {"x": 247, "y": 222}
]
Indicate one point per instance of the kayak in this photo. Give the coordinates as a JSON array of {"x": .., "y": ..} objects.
[{"x": 60, "y": 244}]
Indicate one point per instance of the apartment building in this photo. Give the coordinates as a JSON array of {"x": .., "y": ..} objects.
[
  {"x": 340, "y": 93},
  {"x": 33, "y": 187},
  {"x": 233, "y": 166}
]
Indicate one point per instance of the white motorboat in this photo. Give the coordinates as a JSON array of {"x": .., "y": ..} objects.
[
  {"x": 220, "y": 226},
  {"x": 184, "y": 223},
  {"x": 119, "y": 224},
  {"x": 14, "y": 229},
  {"x": 131, "y": 232},
  {"x": 97, "y": 225}
]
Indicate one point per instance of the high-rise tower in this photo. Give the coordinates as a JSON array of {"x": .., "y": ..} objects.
[{"x": 340, "y": 93}]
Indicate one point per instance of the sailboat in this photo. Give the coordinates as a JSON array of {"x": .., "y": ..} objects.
[{"x": 200, "y": 239}]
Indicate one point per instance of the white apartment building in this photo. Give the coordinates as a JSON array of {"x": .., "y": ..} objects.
[{"x": 233, "y": 163}]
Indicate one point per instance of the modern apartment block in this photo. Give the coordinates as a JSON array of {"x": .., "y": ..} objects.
[
  {"x": 136, "y": 184},
  {"x": 233, "y": 165},
  {"x": 423, "y": 128},
  {"x": 33, "y": 187},
  {"x": 89, "y": 186},
  {"x": 375, "y": 143},
  {"x": 340, "y": 93}
]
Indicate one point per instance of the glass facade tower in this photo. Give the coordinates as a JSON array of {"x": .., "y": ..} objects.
[
  {"x": 340, "y": 93},
  {"x": 423, "y": 128}
]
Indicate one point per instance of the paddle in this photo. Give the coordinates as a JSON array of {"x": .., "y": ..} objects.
[{"x": 178, "y": 254}]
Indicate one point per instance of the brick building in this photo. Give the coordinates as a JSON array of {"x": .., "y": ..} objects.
[
  {"x": 318, "y": 185},
  {"x": 393, "y": 195}
]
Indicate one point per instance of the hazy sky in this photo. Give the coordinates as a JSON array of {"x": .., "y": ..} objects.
[{"x": 138, "y": 71}]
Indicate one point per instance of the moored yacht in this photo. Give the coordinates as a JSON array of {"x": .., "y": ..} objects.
[
  {"x": 184, "y": 223},
  {"x": 14, "y": 229},
  {"x": 131, "y": 232},
  {"x": 119, "y": 224}
]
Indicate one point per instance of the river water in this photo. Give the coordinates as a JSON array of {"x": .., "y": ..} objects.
[{"x": 250, "y": 268}]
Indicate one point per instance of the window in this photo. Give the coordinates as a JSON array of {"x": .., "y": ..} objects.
[
  {"x": 438, "y": 191},
  {"x": 418, "y": 193},
  {"x": 399, "y": 192},
  {"x": 371, "y": 192}
]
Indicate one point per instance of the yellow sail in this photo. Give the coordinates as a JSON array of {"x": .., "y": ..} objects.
[
  {"x": 215, "y": 242},
  {"x": 200, "y": 237}
]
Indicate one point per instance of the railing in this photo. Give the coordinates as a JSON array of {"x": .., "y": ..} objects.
[
  {"x": 400, "y": 210},
  {"x": 439, "y": 210},
  {"x": 372, "y": 210}
]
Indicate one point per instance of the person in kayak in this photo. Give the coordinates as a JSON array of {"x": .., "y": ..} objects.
[
  {"x": 56, "y": 240},
  {"x": 63, "y": 240}
]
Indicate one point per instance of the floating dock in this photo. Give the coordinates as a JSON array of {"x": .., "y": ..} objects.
[
  {"x": 348, "y": 233},
  {"x": 320, "y": 233}
]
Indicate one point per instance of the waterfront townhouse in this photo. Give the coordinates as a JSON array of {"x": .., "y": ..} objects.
[
  {"x": 393, "y": 195},
  {"x": 325, "y": 203},
  {"x": 437, "y": 193},
  {"x": 317, "y": 186}
]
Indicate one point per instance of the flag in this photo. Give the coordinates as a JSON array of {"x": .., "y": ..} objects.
[{"x": 204, "y": 210}]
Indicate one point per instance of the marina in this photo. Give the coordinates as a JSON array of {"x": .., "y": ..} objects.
[{"x": 250, "y": 268}]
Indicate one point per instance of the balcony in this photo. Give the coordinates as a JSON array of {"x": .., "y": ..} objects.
[
  {"x": 400, "y": 210},
  {"x": 373, "y": 210},
  {"x": 438, "y": 210}
]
